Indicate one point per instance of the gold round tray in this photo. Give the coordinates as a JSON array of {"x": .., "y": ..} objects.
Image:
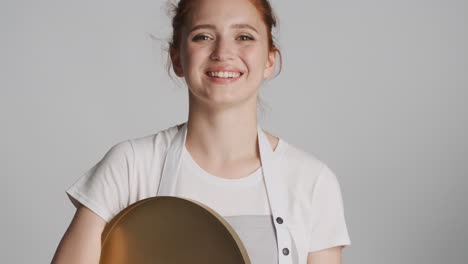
[{"x": 170, "y": 230}]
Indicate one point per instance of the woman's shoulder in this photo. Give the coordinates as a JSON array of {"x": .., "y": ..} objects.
[
  {"x": 149, "y": 145},
  {"x": 161, "y": 138},
  {"x": 294, "y": 157},
  {"x": 301, "y": 166},
  {"x": 297, "y": 155}
]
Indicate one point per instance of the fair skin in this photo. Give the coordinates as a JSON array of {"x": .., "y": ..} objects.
[
  {"x": 81, "y": 243},
  {"x": 222, "y": 123}
]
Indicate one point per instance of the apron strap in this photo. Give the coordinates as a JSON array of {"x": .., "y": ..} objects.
[
  {"x": 278, "y": 198},
  {"x": 170, "y": 173}
]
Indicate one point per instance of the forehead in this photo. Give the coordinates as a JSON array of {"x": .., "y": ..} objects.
[{"x": 221, "y": 13}]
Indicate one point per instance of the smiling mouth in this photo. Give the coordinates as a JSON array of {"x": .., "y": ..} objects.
[{"x": 224, "y": 74}]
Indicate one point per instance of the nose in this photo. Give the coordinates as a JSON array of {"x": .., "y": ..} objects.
[{"x": 222, "y": 50}]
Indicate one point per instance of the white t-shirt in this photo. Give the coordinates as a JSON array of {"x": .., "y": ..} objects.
[
  {"x": 130, "y": 171},
  {"x": 242, "y": 202}
]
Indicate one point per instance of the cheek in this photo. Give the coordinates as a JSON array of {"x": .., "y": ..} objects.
[
  {"x": 193, "y": 57},
  {"x": 255, "y": 57}
]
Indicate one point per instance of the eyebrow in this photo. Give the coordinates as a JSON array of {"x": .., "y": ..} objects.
[{"x": 238, "y": 26}]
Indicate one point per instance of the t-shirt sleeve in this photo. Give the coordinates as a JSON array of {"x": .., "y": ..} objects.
[
  {"x": 104, "y": 188},
  {"x": 328, "y": 227}
]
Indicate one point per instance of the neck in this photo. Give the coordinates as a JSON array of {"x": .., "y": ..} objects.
[{"x": 223, "y": 136}]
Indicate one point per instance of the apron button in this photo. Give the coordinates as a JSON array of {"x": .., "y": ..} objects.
[
  {"x": 285, "y": 251},
  {"x": 279, "y": 220}
]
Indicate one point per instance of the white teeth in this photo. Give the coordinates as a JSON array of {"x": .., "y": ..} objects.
[{"x": 224, "y": 74}]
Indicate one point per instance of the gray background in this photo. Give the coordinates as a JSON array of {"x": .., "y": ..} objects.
[{"x": 375, "y": 89}]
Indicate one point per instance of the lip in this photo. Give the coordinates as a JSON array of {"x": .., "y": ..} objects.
[{"x": 223, "y": 69}]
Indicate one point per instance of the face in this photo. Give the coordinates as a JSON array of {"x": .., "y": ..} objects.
[{"x": 223, "y": 54}]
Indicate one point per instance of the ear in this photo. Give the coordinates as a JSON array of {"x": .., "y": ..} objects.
[
  {"x": 175, "y": 59},
  {"x": 270, "y": 65}
]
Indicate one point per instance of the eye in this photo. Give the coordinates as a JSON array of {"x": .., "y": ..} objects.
[
  {"x": 244, "y": 37},
  {"x": 200, "y": 37}
]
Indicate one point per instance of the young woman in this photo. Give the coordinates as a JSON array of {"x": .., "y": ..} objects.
[{"x": 285, "y": 204}]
